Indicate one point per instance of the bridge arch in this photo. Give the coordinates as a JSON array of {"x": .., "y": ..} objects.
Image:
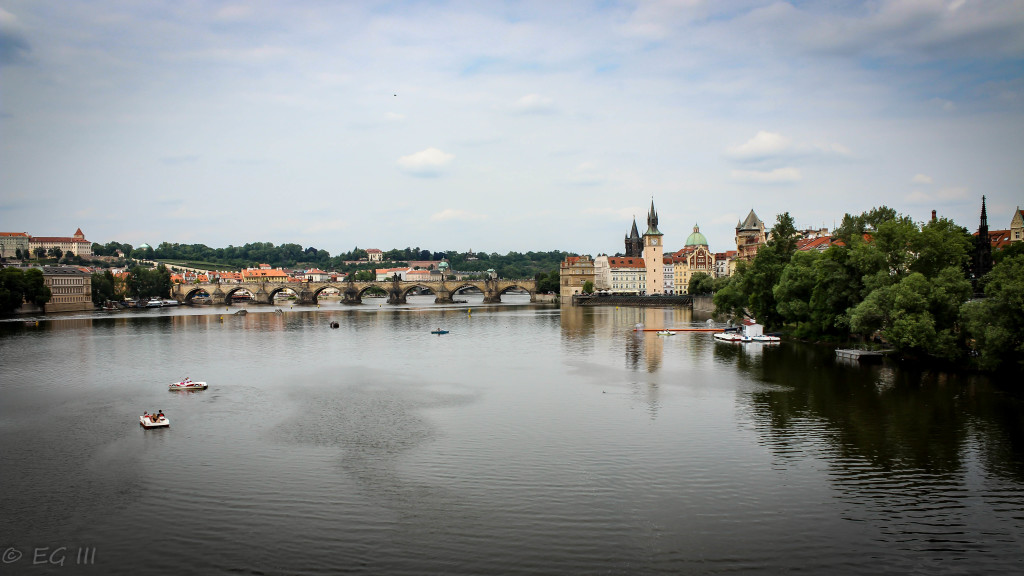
[
  {"x": 230, "y": 293},
  {"x": 282, "y": 288}
]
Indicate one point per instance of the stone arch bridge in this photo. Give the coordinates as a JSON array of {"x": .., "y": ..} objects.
[{"x": 352, "y": 292}]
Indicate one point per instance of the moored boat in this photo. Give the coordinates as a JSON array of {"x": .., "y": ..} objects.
[{"x": 666, "y": 333}]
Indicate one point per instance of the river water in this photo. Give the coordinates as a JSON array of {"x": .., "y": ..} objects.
[{"x": 529, "y": 440}]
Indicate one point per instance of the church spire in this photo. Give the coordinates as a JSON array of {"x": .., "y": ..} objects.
[
  {"x": 652, "y": 221},
  {"x": 982, "y": 262}
]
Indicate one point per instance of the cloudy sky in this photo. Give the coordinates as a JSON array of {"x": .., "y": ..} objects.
[{"x": 499, "y": 126}]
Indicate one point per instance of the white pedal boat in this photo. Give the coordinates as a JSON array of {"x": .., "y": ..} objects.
[
  {"x": 187, "y": 385},
  {"x": 148, "y": 421}
]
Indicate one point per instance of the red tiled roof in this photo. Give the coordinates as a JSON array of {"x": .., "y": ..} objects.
[
  {"x": 58, "y": 239},
  {"x": 999, "y": 239},
  {"x": 623, "y": 262},
  {"x": 807, "y": 244}
]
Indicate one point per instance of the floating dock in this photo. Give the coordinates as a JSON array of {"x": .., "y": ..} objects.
[
  {"x": 859, "y": 355},
  {"x": 679, "y": 329}
]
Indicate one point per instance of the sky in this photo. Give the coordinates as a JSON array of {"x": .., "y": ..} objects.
[{"x": 501, "y": 126}]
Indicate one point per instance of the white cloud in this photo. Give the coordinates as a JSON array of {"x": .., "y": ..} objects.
[
  {"x": 762, "y": 145},
  {"x": 394, "y": 116},
  {"x": 429, "y": 162},
  {"x": 534, "y": 104},
  {"x": 768, "y": 145},
  {"x": 921, "y": 179},
  {"x": 452, "y": 214},
  {"x": 779, "y": 175}
]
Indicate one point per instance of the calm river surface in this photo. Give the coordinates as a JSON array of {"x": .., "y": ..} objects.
[{"x": 529, "y": 440}]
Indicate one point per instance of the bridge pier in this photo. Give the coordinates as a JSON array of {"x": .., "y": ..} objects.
[
  {"x": 443, "y": 295},
  {"x": 306, "y": 296},
  {"x": 262, "y": 296},
  {"x": 218, "y": 297},
  {"x": 395, "y": 294}
]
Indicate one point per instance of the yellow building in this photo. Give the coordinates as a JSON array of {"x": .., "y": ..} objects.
[
  {"x": 70, "y": 288},
  {"x": 693, "y": 258},
  {"x": 574, "y": 272}
]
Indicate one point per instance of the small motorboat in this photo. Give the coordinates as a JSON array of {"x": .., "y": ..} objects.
[
  {"x": 438, "y": 331},
  {"x": 729, "y": 337},
  {"x": 666, "y": 333},
  {"x": 188, "y": 384},
  {"x": 148, "y": 420}
]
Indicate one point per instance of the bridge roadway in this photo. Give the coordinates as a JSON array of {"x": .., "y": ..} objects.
[{"x": 352, "y": 292}]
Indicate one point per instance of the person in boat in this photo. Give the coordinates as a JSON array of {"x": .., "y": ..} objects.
[{"x": 160, "y": 415}]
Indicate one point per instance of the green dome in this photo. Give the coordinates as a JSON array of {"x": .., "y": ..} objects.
[{"x": 696, "y": 239}]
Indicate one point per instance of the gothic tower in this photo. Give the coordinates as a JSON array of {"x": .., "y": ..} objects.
[
  {"x": 654, "y": 261},
  {"x": 981, "y": 264},
  {"x": 634, "y": 244}
]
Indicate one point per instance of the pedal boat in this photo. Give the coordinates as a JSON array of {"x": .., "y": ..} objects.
[{"x": 148, "y": 421}]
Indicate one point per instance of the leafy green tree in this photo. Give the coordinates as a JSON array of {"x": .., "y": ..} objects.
[
  {"x": 12, "y": 289},
  {"x": 701, "y": 283},
  {"x": 917, "y": 315},
  {"x": 730, "y": 299},
  {"x": 36, "y": 290},
  {"x": 103, "y": 287},
  {"x": 837, "y": 289},
  {"x": 145, "y": 282},
  {"x": 795, "y": 288},
  {"x": 364, "y": 276},
  {"x": 588, "y": 287},
  {"x": 996, "y": 323},
  {"x": 759, "y": 281},
  {"x": 549, "y": 282},
  {"x": 939, "y": 245}
]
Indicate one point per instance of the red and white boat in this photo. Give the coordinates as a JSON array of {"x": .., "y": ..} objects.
[
  {"x": 148, "y": 420},
  {"x": 188, "y": 384}
]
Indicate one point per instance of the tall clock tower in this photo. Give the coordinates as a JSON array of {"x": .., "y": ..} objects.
[{"x": 653, "y": 255}]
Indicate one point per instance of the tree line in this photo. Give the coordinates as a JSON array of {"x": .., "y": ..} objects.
[
  {"x": 510, "y": 265},
  {"x": 18, "y": 286},
  {"x": 886, "y": 278}
]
